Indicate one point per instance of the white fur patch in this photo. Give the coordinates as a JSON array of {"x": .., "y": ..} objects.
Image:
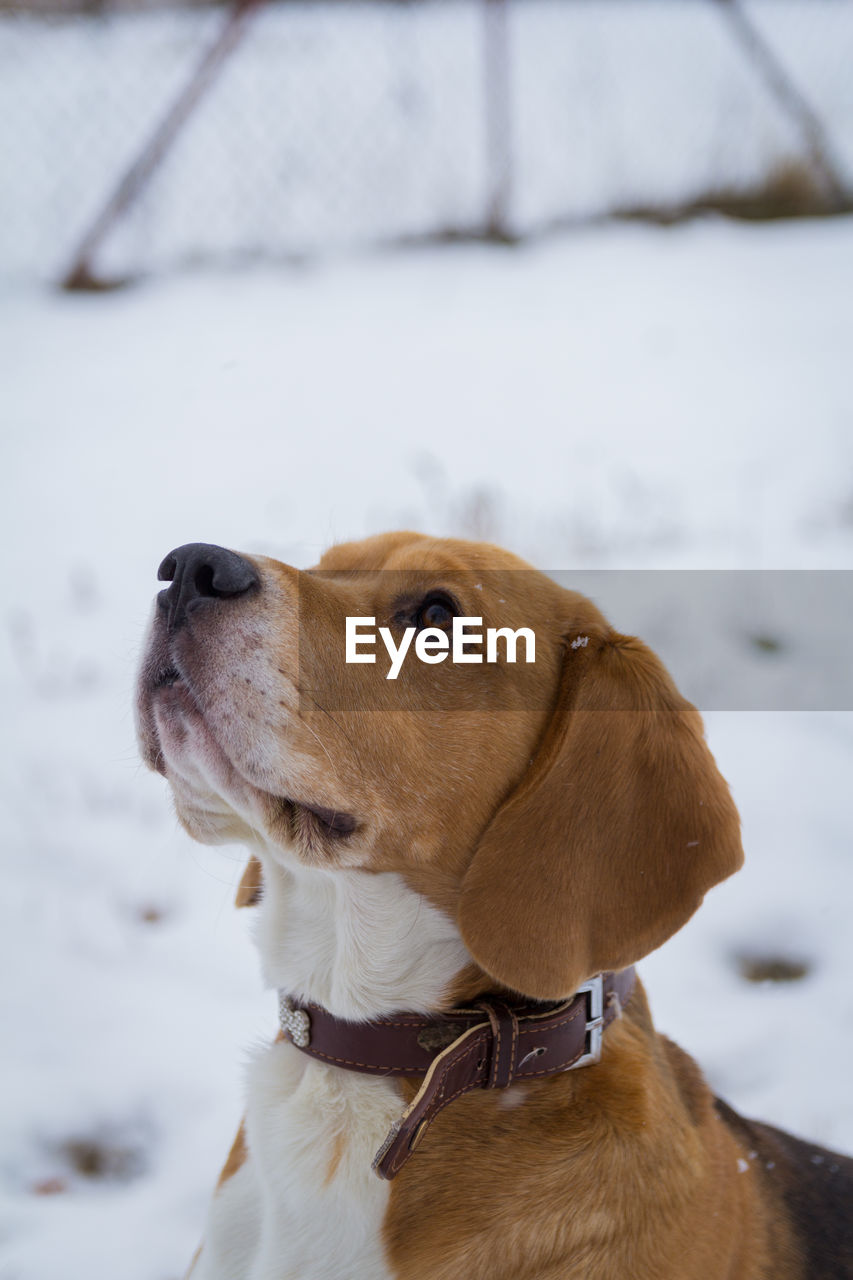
[
  {"x": 509, "y": 1099},
  {"x": 306, "y": 1204},
  {"x": 361, "y": 945}
]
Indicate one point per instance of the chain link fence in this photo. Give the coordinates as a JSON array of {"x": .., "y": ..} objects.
[{"x": 324, "y": 125}]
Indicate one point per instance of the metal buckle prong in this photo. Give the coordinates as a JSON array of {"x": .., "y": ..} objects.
[{"x": 594, "y": 991}]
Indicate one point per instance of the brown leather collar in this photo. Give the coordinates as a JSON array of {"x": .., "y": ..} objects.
[{"x": 487, "y": 1046}]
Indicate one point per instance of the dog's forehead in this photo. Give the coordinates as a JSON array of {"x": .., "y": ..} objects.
[
  {"x": 396, "y": 565},
  {"x": 414, "y": 552},
  {"x": 388, "y": 569}
]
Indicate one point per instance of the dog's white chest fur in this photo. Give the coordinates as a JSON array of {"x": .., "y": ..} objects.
[{"x": 306, "y": 1204}]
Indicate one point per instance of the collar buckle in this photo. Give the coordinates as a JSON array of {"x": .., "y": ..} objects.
[{"x": 594, "y": 992}]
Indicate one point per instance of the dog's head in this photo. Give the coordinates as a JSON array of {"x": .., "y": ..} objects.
[{"x": 566, "y": 812}]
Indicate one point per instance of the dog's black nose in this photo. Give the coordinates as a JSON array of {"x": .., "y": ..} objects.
[{"x": 199, "y": 571}]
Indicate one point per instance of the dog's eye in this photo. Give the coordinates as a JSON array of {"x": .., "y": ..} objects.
[{"x": 436, "y": 610}]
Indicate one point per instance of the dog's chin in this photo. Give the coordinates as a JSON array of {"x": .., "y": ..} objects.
[
  {"x": 208, "y": 820},
  {"x": 217, "y": 804},
  {"x": 217, "y": 799},
  {"x": 210, "y": 815},
  {"x": 214, "y": 801}
]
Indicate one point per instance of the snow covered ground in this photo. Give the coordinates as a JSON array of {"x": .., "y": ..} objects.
[{"x": 625, "y": 398}]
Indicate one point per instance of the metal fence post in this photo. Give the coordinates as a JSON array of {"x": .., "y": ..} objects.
[
  {"x": 792, "y": 101},
  {"x": 497, "y": 103},
  {"x": 82, "y": 275}
]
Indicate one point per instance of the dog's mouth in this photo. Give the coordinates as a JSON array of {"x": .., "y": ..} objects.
[
  {"x": 165, "y": 670},
  {"x": 161, "y": 667},
  {"x": 179, "y": 731},
  {"x": 169, "y": 711},
  {"x": 168, "y": 676}
]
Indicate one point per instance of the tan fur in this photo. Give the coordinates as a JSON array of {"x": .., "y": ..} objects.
[
  {"x": 338, "y": 1150},
  {"x": 193, "y": 1263},
  {"x": 623, "y": 816},
  {"x": 236, "y": 1156},
  {"x": 569, "y": 817},
  {"x": 622, "y": 1170},
  {"x": 251, "y": 885}
]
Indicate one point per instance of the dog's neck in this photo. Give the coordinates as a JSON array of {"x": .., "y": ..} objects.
[{"x": 361, "y": 945}]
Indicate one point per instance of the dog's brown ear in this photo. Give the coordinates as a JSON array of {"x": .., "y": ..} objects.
[
  {"x": 610, "y": 841},
  {"x": 251, "y": 885}
]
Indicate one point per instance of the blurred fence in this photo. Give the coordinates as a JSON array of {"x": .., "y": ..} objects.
[{"x": 335, "y": 124}]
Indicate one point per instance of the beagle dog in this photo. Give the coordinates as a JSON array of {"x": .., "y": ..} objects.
[{"x": 455, "y": 871}]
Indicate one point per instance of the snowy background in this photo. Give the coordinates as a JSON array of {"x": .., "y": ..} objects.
[{"x": 625, "y": 397}]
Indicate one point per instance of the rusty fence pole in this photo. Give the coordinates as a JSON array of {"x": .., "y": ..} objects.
[
  {"x": 497, "y": 104},
  {"x": 82, "y": 274},
  {"x": 792, "y": 101}
]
